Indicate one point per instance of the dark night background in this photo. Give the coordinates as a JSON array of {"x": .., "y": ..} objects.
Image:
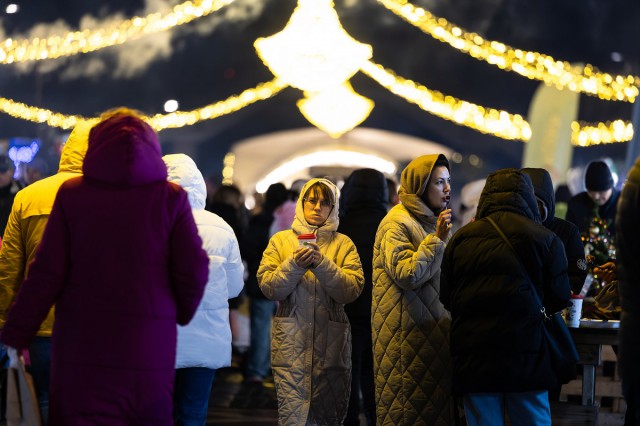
[{"x": 213, "y": 57}]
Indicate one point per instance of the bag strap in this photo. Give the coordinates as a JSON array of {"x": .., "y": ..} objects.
[{"x": 524, "y": 269}]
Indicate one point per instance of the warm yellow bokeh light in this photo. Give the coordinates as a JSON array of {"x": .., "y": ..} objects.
[
  {"x": 313, "y": 52},
  {"x": 335, "y": 110},
  {"x": 532, "y": 65},
  {"x": 89, "y": 40}
]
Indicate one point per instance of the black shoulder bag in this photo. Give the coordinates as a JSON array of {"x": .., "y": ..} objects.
[{"x": 563, "y": 354}]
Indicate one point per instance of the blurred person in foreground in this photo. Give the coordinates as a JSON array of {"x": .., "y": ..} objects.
[
  {"x": 28, "y": 219},
  {"x": 204, "y": 345},
  {"x": 364, "y": 202},
  {"x": 501, "y": 363},
  {"x": 410, "y": 327},
  {"x": 122, "y": 261},
  {"x": 310, "y": 336},
  {"x": 628, "y": 246}
]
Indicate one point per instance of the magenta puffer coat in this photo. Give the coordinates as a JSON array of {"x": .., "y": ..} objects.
[{"x": 122, "y": 260}]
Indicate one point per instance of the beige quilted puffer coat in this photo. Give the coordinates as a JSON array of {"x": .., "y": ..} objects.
[
  {"x": 310, "y": 336},
  {"x": 410, "y": 327}
]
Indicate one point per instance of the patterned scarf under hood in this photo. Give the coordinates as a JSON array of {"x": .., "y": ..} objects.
[
  {"x": 413, "y": 183},
  {"x": 324, "y": 231}
]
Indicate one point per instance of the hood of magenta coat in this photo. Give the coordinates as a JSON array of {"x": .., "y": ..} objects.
[{"x": 124, "y": 151}]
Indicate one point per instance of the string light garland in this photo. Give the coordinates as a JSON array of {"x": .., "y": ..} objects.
[
  {"x": 12, "y": 51},
  {"x": 434, "y": 102},
  {"x": 159, "y": 121},
  {"x": 486, "y": 120},
  {"x": 584, "y": 134},
  {"x": 530, "y": 64}
]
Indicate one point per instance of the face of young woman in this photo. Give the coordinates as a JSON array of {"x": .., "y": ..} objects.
[
  {"x": 316, "y": 208},
  {"x": 437, "y": 194}
]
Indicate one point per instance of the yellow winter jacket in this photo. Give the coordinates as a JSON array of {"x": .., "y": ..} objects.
[{"x": 28, "y": 219}]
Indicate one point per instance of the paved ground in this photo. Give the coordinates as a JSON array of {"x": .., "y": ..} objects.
[{"x": 236, "y": 403}]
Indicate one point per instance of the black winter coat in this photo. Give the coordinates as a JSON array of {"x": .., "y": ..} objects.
[
  {"x": 568, "y": 233},
  {"x": 363, "y": 205},
  {"x": 580, "y": 211},
  {"x": 628, "y": 254},
  {"x": 255, "y": 242},
  {"x": 497, "y": 336}
]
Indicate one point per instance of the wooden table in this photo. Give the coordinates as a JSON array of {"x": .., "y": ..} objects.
[{"x": 589, "y": 341}]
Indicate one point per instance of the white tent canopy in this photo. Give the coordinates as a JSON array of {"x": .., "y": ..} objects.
[{"x": 289, "y": 155}]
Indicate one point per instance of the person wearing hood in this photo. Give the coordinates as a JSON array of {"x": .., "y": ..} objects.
[
  {"x": 410, "y": 327},
  {"x": 310, "y": 335},
  {"x": 364, "y": 205},
  {"x": 501, "y": 361},
  {"x": 27, "y": 221},
  {"x": 122, "y": 261},
  {"x": 204, "y": 345},
  {"x": 565, "y": 230}
]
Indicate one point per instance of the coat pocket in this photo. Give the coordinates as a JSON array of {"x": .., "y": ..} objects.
[
  {"x": 283, "y": 336},
  {"x": 338, "y": 350}
]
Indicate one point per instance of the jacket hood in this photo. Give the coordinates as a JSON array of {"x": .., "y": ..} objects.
[
  {"x": 75, "y": 148},
  {"x": 508, "y": 190},
  {"x": 301, "y": 226},
  {"x": 124, "y": 151},
  {"x": 413, "y": 182},
  {"x": 182, "y": 170},
  {"x": 365, "y": 188},
  {"x": 543, "y": 189}
]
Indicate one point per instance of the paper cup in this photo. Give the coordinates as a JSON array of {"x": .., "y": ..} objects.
[
  {"x": 574, "y": 311},
  {"x": 305, "y": 239}
]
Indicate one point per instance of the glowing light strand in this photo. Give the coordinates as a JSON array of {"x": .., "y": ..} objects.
[
  {"x": 589, "y": 134},
  {"x": 159, "y": 121},
  {"x": 530, "y": 64},
  {"x": 485, "y": 120},
  {"x": 75, "y": 42}
]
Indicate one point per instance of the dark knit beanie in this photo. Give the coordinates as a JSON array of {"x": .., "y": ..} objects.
[{"x": 598, "y": 177}]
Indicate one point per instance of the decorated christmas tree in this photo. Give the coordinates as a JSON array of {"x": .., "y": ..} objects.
[{"x": 599, "y": 248}]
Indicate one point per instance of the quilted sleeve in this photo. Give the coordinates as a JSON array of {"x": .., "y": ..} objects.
[
  {"x": 278, "y": 274},
  {"x": 343, "y": 282},
  {"x": 410, "y": 267}
]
